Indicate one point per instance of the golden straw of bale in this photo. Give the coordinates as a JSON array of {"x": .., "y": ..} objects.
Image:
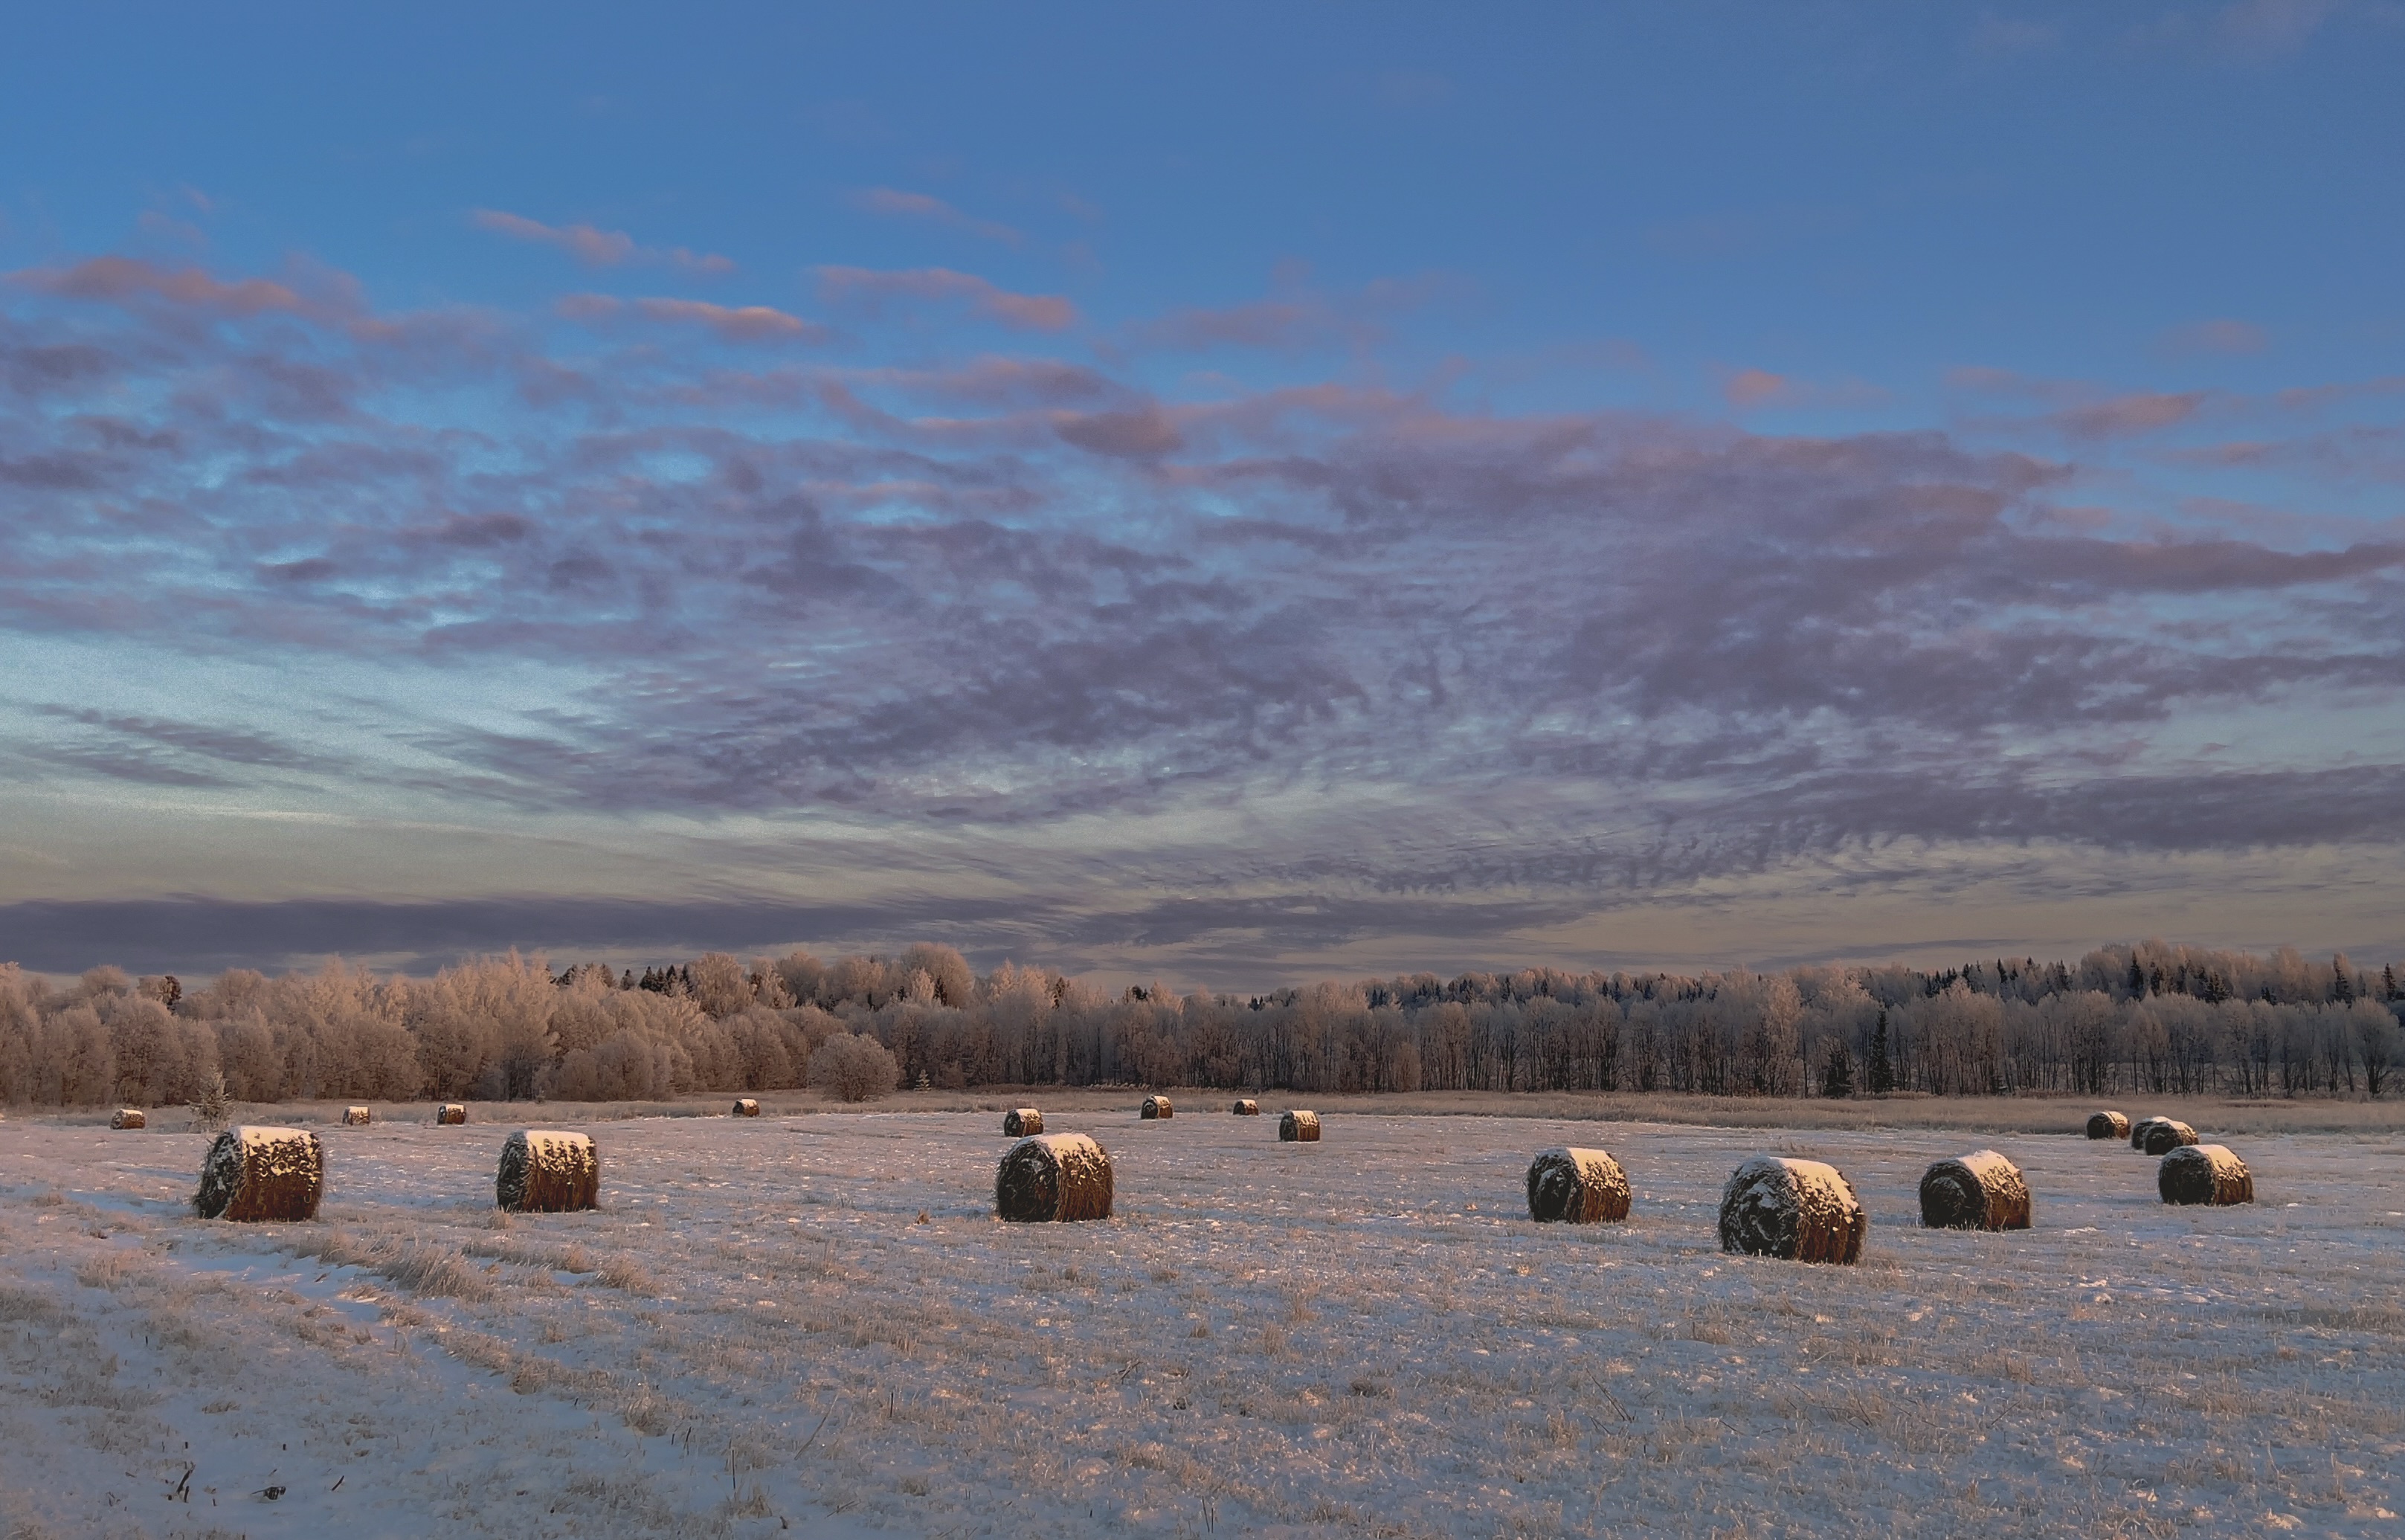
[
  {"x": 1979, "y": 1191},
  {"x": 1246, "y": 1108},
  {"x": 262, "y": 1174},
  {"x": 1053, "y": 1177},
  {"x": 1157, "y": 1106},
  {"x": 2204, "y": 1173},
  {"x": 357, "y": 1117},
  {"x": 129, "y": 1117},
  {"x": 451, "y": 1111},
  {"x": 2161, "y": 1135},
  {"x": 1575, "y": 1186},
  {"x": 1799, "y": 1210},
  {"x": 1299, "y": 1127},
  {"x": 1020, "y": 1122},
  {"x": 747, "y": 1107},
  {"x": 2108, "y": 1125},
  {"x": 544, "y": 1171}
]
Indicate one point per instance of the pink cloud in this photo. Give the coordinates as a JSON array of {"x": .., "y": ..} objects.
[
  {"x": 1754, "y": 387},
  {"x": 118, "y": 279},
  {"x": 591, "y": 247},
  {"x": 1026, "y": 312},
  {"x": 918, "y": 205},
  {"x": 1759, "y": 388},
  {"x": 2140, "y": 411},
  {"x": 732, "y": 323},
  {"x": 595, "y": 247}
]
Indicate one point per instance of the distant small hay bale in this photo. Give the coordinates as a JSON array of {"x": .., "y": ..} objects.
[
  {"x": 1574, "y": 1186},
  {"x": 747, "y": 1107},
  {"x": 2108, "y": 1125},
  {"x": 1157, "y": 1106},
  {"x": 1299, "y": 1127},
  {"x": 1980, "y": 1191},
  {"x": 2204, "y": 1173},
  {"x": 252, "y": 1174},
  {"x": 357, "y": 1117},
  {"x": 129, "y": 1117},
  {"x": 451, "y": 1111},
  {"x": 1246, "y": 1108},
  {"x": 1022, "y": 1122},
  {"x": 1801, "y": 1211},
  {"x": 544, "y": 1171},
  {"x": 1048, "y": 1177},
  {"x": 2158, "y": 1135}
]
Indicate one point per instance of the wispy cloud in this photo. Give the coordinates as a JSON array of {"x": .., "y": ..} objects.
[
  {"x": 1373, "y": 642},
  {"x": 595, "y": 247},
  {"x": 731, "y": 323},
  {"x": 860, "y": 285},
  {"x": 933, "y": 210}
]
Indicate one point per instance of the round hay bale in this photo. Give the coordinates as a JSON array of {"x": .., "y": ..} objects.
[
  {"x": 357, "y": 1117},
  {"x": 1574, "y": 1186},
  {"x": 1246, "y": 1108},
  {"x": 1022, "y": 1122},
  {"x": 1979, "y": 1191},
  {"x": 450, "y": 1111},
  {"x": 1299, "y": 1127},
  {"x": 1157, "y": 1106},
  {"x": 2160, "y": 1135},
  {"x": 2108, "y": 1125},
  {"x": 129, "y": 1117},
  {"x": 747, "y": 1107},
  {"x": 251, "y": 1174},
  {"x": 544, "y": 1171},
  {"x": 1048, "y": 1177},
  {"x": 2204, "y": 1173},
  {"x": 1801, "y": 1211}
]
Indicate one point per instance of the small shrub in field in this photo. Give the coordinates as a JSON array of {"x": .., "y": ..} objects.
[{"x": 854, "y": 1068}]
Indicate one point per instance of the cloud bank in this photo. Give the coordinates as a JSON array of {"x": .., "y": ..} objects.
[{"x": 1374, "y": 642}]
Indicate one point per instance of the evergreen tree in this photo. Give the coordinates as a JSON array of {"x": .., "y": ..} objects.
[
  {"x": 1882, "y": 1076},
  {"x": 2389, "y": 981},
  {"x": 2137, "y": 978},
  {"x": 2341, "y": 981},
  {"x": 1837, "y": 1076}
]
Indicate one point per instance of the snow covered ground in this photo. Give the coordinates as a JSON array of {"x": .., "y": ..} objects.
[{"x": 809, "y": 1323}]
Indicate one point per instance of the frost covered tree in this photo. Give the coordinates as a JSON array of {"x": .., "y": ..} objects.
[{"x": 854, "y": 1068}]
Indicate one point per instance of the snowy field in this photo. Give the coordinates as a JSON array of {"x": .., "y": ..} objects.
[{"x": 809, "y": 1323}]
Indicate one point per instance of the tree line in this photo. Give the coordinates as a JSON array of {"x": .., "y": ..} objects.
[{"x": 2149, "y": 1018}]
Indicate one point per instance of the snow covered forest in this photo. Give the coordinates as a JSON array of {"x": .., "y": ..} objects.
[{"x": 2150, "y": 1019}]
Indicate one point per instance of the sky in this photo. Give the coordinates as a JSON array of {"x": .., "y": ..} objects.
[{"x": 1231, "y": 494}]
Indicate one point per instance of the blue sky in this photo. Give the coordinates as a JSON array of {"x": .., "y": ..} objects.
[{"x": 1238, "y": 496}]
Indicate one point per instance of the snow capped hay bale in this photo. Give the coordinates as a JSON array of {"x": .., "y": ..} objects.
[
  {"x": 1053, "y": 1177},
  {"x": 2108, "y": 1125},
  {"x": 2204, "y": 1173},
  {"x": 129, "y": 1117},
  {"x": 747, "y": 1107},
  {"x": 1799, "y": 1210},
  {"x": 253, "y": 1174},
  {"x": 1299, "y": 1127},
  {"x": 1246, "y": 1108},
  {"x": 1575, "y": 1186},
  {"x": 2161, "y": 1135},
  {"x": 357, "y": 1117},
  {"x": 451, "y": 1111},
  {"x": 1980, "y": 1191},
  {"x": 544, "y": 1171},
  {"x": 1157, "y": 1106},
  {"x": 1022, "y": 1122}
]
